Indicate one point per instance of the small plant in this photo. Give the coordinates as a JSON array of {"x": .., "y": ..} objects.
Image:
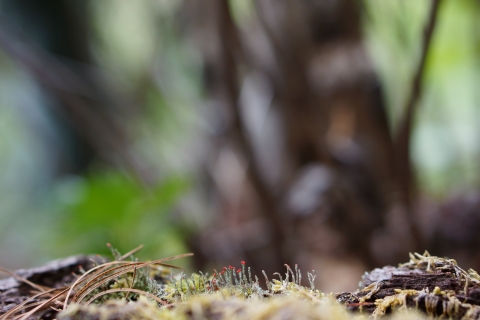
[
  {"x": 133, "y": 289},
  {"x": 132, "y": 281},
  {"x": 116, "y": 280}
]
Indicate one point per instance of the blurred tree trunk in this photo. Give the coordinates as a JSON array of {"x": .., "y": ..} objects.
[
  {"x": 51, "y": 41},
  {"x": 300, "y": 110},
  {"x": 58, "y": 28}
]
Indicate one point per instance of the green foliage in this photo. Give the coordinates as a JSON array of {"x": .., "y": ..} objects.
[{"x": 111, "y": 208}]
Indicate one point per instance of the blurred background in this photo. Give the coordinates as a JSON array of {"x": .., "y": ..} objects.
[{"x": 336, "y": 134}]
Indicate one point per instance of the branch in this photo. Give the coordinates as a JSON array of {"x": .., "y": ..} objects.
[
  {"x": 230, "y": 49},
  {"x": 404, "y": 165}
]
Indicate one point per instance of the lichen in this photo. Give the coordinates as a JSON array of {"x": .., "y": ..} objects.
[
  {"x": 229, "y": 294},
  {"x": 438, "y": 288}
]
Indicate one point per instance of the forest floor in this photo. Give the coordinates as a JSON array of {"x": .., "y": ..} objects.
[{"x": 89, "y": 287}]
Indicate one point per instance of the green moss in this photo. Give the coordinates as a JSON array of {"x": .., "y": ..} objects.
[{"x": 234, "y": 294}]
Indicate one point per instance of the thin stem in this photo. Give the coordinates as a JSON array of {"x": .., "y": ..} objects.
[{"x": 405, "y": 174}]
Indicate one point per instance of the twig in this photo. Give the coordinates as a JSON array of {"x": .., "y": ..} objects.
[
  {"x": 404, "y": 165},
  {"x": 22, "y": 279},
  {"x": 230, "y": 48}
]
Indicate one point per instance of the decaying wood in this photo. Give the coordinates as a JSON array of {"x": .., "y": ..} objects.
[
  {"x": 55, "y": 274},
  {"x": 435, "y": 286}
]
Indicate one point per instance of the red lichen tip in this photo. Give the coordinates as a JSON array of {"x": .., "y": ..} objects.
[
  {"x": 242, "y": 262},
  {"x": 239, "y": 270}
]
